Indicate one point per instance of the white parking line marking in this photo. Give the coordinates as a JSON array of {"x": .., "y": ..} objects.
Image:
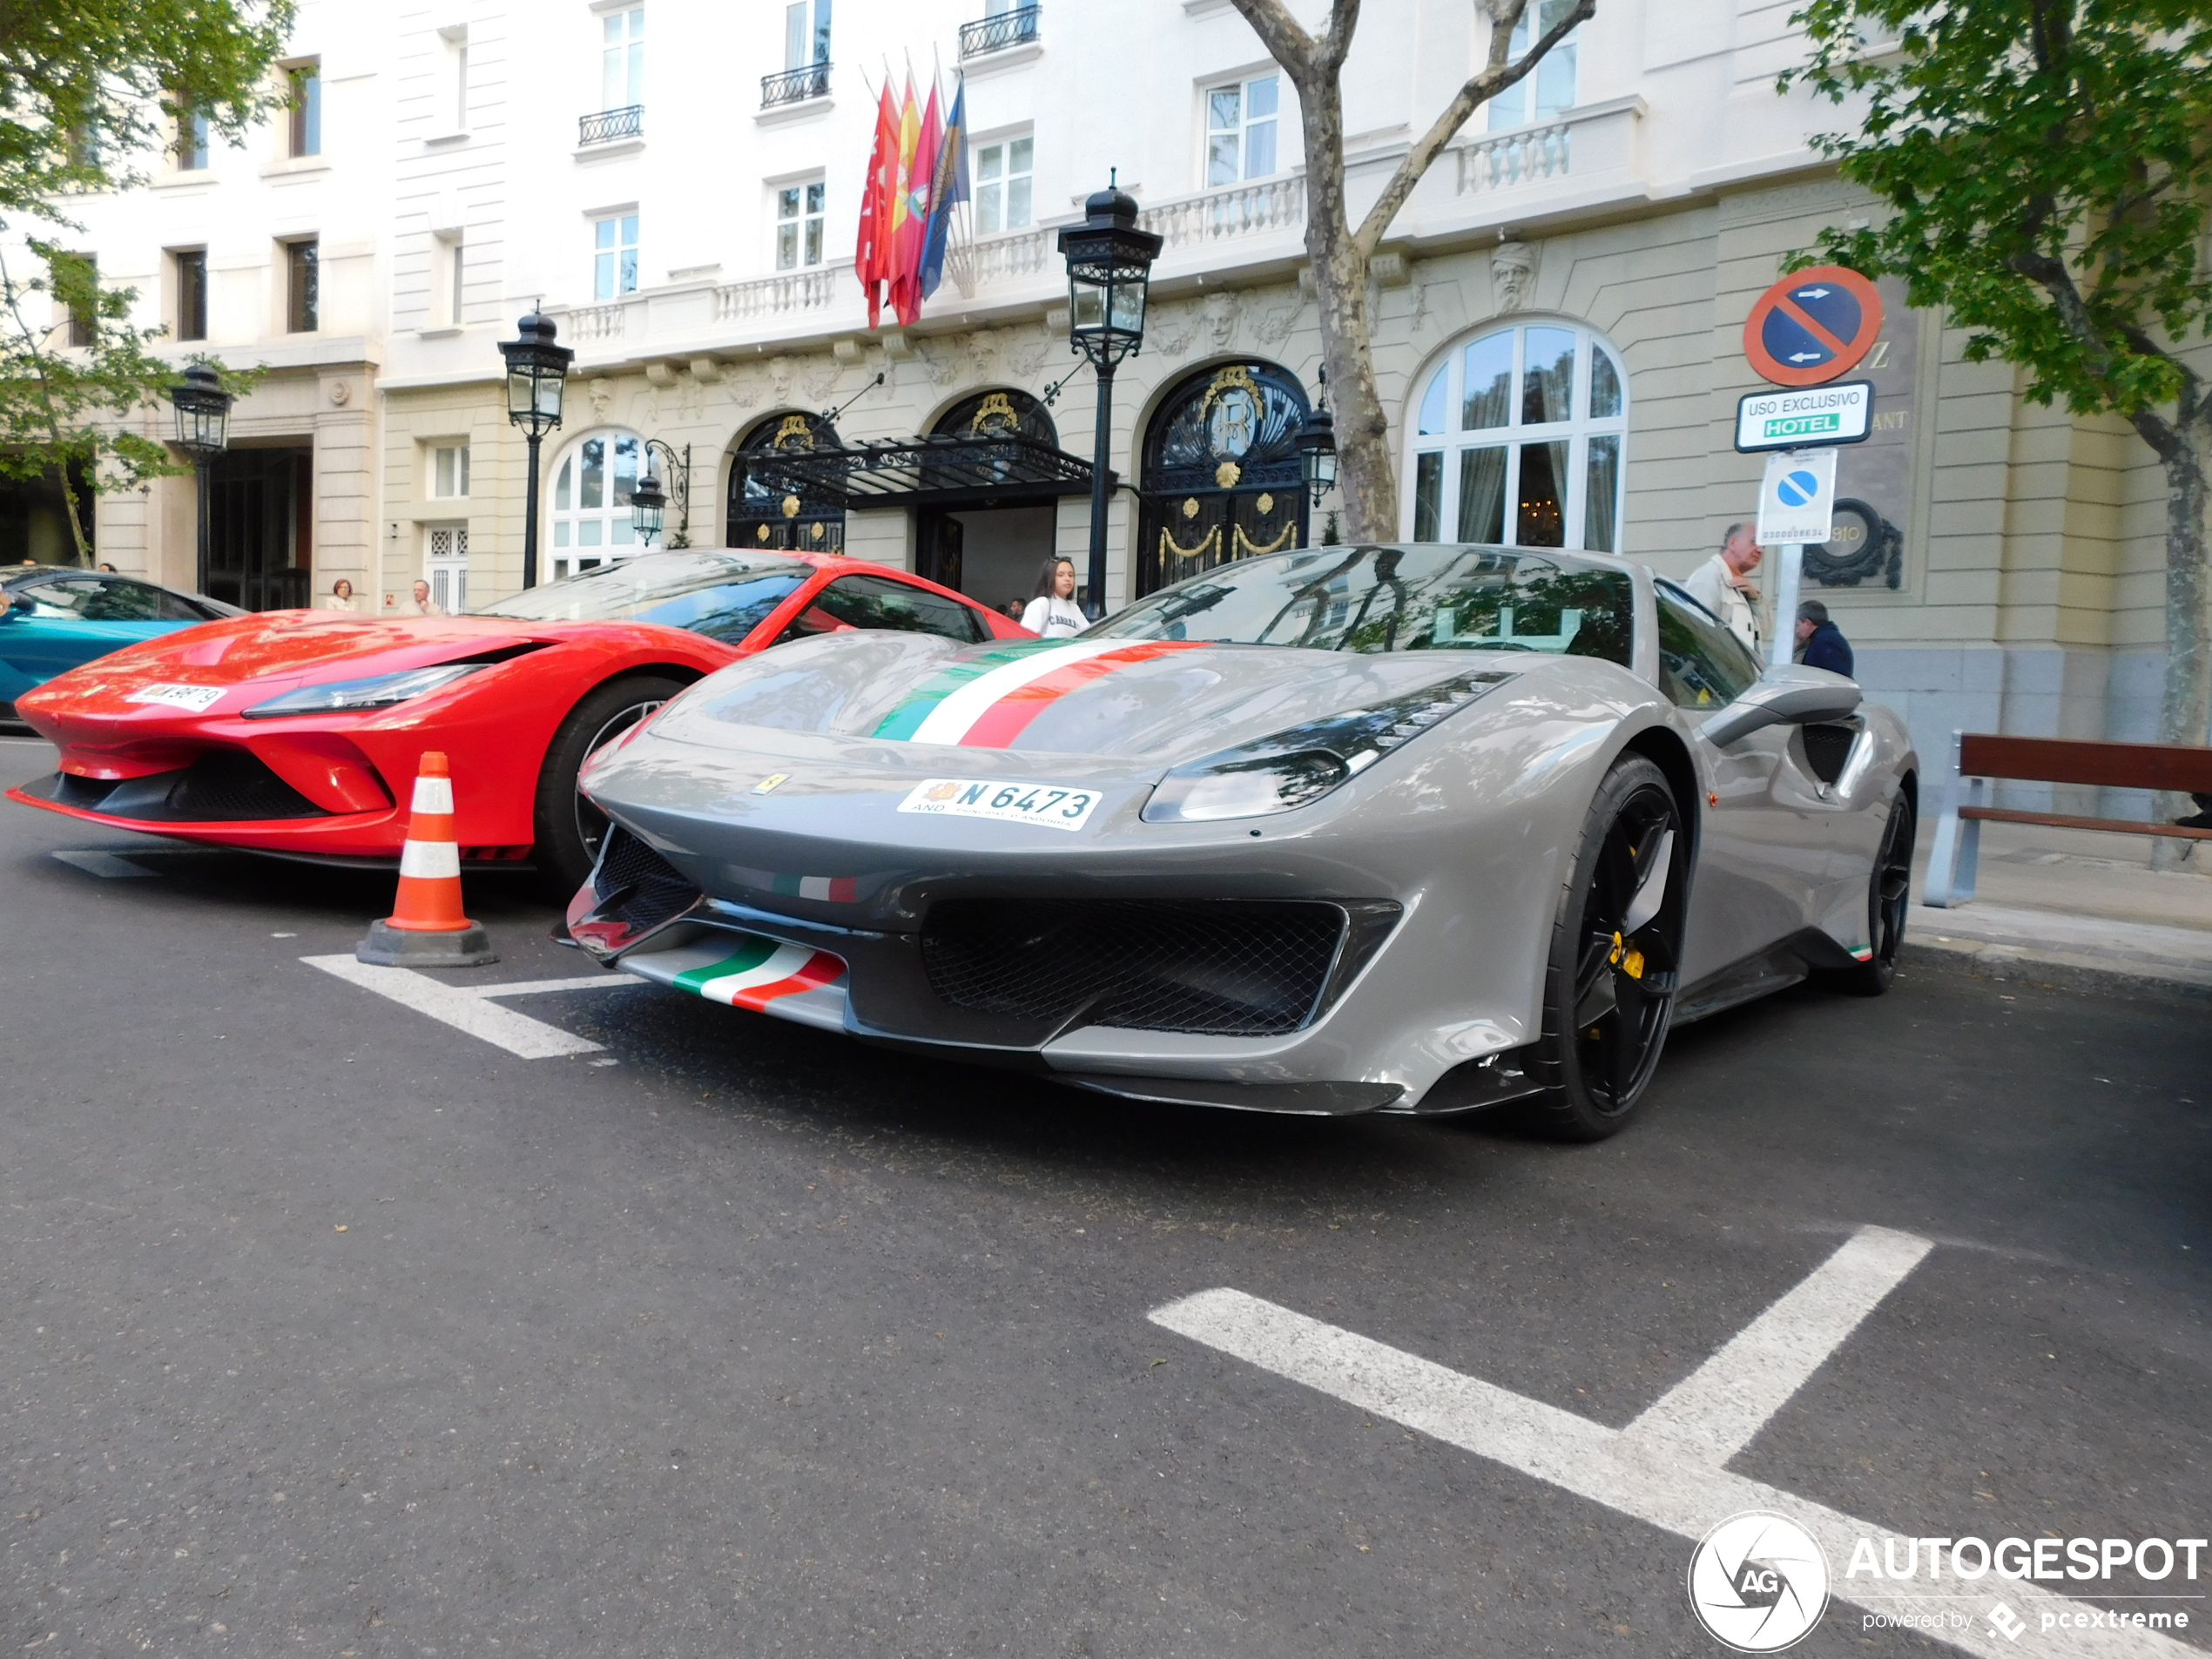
[
  {"x": 470, "y": 1008},
  {"x": 1714, "y": 1413},
  {"x": 1609, "y": 1468},
  {"x": 102, "y": 864}
]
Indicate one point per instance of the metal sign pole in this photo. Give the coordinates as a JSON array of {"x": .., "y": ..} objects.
[{"x": 1791, "y": 571}]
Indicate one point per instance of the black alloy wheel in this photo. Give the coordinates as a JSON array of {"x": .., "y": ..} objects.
[
  {"x": 1616, "y": 952},
  {"x": 570, "y": 828},
  {"x": 1889, "y": 895}
]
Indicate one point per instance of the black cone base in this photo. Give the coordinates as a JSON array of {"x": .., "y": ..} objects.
[{"x": 390, "y": 946}]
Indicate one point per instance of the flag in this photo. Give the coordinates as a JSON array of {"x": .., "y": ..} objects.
[
  {"x": 870, "y": 262},
  {"x": 949, "y": 190},
  {"x": 921, "y": 178},
  {"x": 894, "y": 220}
]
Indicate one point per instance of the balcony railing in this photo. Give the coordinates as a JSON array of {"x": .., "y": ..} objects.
[
  {"x": 1014, "y": 28},
  {"x": 780, "y": 296},
  {"x": 1239, "y": 210},
  {"x": 609, "y": 125},
  {"x": 597, "y": 322},
  {"x": 1521, "y": 157},
  {"x": 794, "y": 85}
]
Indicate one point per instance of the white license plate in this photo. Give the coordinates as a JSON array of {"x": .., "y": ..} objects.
[
  {"x": 195, "y": 697},
  {"x": 1048, "y": 805}
]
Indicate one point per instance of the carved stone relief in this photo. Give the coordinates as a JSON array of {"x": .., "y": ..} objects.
[{"x": 1513, "y": 274}]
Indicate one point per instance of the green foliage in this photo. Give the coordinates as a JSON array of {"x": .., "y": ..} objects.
[
  {"x": 68, "y": 411},
  {"x": 2049, "y": 164},
  {"x": 87, "y": 87}
]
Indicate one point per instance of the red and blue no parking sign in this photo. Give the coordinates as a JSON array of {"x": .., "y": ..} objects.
[{"x": 1813, "y": 326}]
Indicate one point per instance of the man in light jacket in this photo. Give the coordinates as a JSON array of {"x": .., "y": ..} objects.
[{"x": 1723, "y": 586}]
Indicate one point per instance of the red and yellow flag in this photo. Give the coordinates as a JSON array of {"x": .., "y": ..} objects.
[{"x": 872, "y": 257}]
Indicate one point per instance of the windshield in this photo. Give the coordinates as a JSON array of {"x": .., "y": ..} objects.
[
  {"x": 721, "y": 594},
  {"x": 1396, "y": 598}
]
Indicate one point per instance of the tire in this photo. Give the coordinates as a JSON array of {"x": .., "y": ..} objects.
[
  {"x": 1609, "y": 989},
  {"x": 567, "y": 828},
  {"x": 1889, "y": 896}
]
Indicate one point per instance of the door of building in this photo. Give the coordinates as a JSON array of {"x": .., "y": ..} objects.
[
  {"x": 1221, "y": 479},
  {"x": 765, "y": 516},
  {"x": 260, "y": 521}
]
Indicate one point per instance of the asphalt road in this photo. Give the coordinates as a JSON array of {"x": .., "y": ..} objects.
[{"x": 334, "y": 1329}]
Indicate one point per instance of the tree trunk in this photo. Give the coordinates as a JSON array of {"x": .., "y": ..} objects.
[
  {"x": 74, "y": 514},
  {"x": 2187, "y": 704},
  {"x": 1365, "y": 473}
]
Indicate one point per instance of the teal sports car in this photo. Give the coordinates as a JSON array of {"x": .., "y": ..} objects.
[{"x": 56, "y": 617}]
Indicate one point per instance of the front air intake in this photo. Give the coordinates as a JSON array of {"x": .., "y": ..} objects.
[{"x": 1225, "y": 967}]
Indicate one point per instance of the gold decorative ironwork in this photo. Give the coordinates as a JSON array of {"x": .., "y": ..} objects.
[
  {"x": 1236, "y": 377},
  {"x": 818, "y": 529},
  {"x": 791, "y": 507},
  {"x": 1190, "y": 506},
  {"x": 996, "y": 414},
  {"x": 1266, "y": 503},
  {"x": 794, "y": 426},
  {"x": 1246, "y": 546},
  {"x": 1227, "y": 474},
  {"x": 761, "y": 534},
  {"x": 1209, "y": 543}
]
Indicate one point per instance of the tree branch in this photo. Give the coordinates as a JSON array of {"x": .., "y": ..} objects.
[
  {"x": 1343, "y": 18},
  {"x": 1286, "y": 41},
  {"x": 2050, "y": 273},
  {"x": 1494, "y": 79}
]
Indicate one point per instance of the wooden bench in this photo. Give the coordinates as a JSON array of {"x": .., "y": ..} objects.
[{"x": 1981, "y": 757}]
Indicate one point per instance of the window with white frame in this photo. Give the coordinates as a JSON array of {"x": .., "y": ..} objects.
[
  {"x": 448, "y": 268},
  {"x": 591, "y": 491},
  {"x": 621, "y": 58},
  {"x": 445, "y": 565},
  {"x": 448, "y": 471},
  {"x": 806, "y": 33},
  {"x": 454, "y": 93},
  {"x": 798, "y": 224},
  {"x": 614, "y": 255},
  {"x": 1241, "y": 129},
  {"x": 1519, "y": 439},
  {"x": 1001, "y": 175},
  {"x": 1550, "y": 91}
]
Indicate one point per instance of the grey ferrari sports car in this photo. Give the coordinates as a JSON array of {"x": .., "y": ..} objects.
[{"x": 1409, "y": 829}]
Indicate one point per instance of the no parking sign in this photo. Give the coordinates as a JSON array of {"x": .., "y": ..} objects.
[{"x": 1797, "y": 498}]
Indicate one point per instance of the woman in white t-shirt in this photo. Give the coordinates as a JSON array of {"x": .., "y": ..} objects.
[{"x": 1053, "y": 614}]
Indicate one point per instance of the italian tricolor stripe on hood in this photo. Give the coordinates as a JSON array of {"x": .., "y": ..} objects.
[{"x": 987, "y": 702}]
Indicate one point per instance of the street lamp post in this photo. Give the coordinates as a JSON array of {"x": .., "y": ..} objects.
[
  {"x": 1109, "y": 266},
  {"x": 538, "y": 372},
  {"x": 203, "y": 431}
]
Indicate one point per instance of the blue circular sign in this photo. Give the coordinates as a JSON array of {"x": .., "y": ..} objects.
[{"x": 1797, "y": 489}]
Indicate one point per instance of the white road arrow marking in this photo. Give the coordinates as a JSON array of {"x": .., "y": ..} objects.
[
  {"x": 470, "y": 1008},
  {"x": 1641, "y": 1475}
]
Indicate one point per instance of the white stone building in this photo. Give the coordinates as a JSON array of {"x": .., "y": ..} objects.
[{"x": 677, "y": 182}]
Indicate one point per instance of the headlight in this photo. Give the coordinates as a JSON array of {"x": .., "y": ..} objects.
[
  {"x": 379, "y": 692},
  {"x": 1295, "y": 767}
]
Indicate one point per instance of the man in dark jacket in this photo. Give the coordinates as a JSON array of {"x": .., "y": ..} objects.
[{"x": 1820, "y": 643}]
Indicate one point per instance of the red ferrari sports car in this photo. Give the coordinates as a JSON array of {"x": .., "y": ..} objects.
[{"x": 297, "y": 732}]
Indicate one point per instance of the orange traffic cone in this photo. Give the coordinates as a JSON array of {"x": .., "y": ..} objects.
[{"x": 426, "y": 929}]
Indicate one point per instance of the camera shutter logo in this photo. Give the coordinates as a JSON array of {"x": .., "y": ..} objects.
[{"x": 1758, "y": 1582}]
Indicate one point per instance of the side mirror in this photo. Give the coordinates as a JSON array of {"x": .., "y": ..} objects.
[{"x": 1789, "y": 694}]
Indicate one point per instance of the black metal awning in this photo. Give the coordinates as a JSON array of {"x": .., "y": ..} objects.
[{"x": 933, "y": 471}]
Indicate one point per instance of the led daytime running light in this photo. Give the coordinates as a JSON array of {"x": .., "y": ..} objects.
[
  {"x": 1296, "y": 766},
  {"x": 379, "y": 692}
]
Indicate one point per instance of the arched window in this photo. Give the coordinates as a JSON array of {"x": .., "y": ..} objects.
[
  {"x": 1518, "y": 439},
  {"x": 592, "y": 491},
  {"x": 1222, "y": 479},
  {"x": 768, "y": 513}
]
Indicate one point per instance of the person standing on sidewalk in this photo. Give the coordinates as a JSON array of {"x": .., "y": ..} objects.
[
  {"x": 1053, "y": 613},
  {"x": 1820, "y": 643},
  {"x": 1723, "y": 585}
]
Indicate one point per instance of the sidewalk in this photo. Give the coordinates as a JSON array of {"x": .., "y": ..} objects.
[{"x": 2072, "y": 905}]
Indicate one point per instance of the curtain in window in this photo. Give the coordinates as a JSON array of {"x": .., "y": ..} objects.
[
  {"x": 1601, "y": 497},
  {"x": 1482, "y": 495}
]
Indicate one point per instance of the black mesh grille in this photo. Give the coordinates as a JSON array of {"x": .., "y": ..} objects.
[
  {"x": 1827, "y": 747},
  {"x": 635, "y": 885},
  {"x": 233, "y": 785},
  {"x": 1228, "y": 968}
]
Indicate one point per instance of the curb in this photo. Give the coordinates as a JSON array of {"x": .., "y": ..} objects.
[{"x": 2065, "y": 970}]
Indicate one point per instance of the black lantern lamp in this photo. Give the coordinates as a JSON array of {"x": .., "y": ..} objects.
[
  {"x": 203, "y": 431},
  {"x": 1110, "y": 268},
  {"x": 538, "y": 372},
  {"x": 650, "y": 499},
  {"x": 1316, "y": 453}
]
